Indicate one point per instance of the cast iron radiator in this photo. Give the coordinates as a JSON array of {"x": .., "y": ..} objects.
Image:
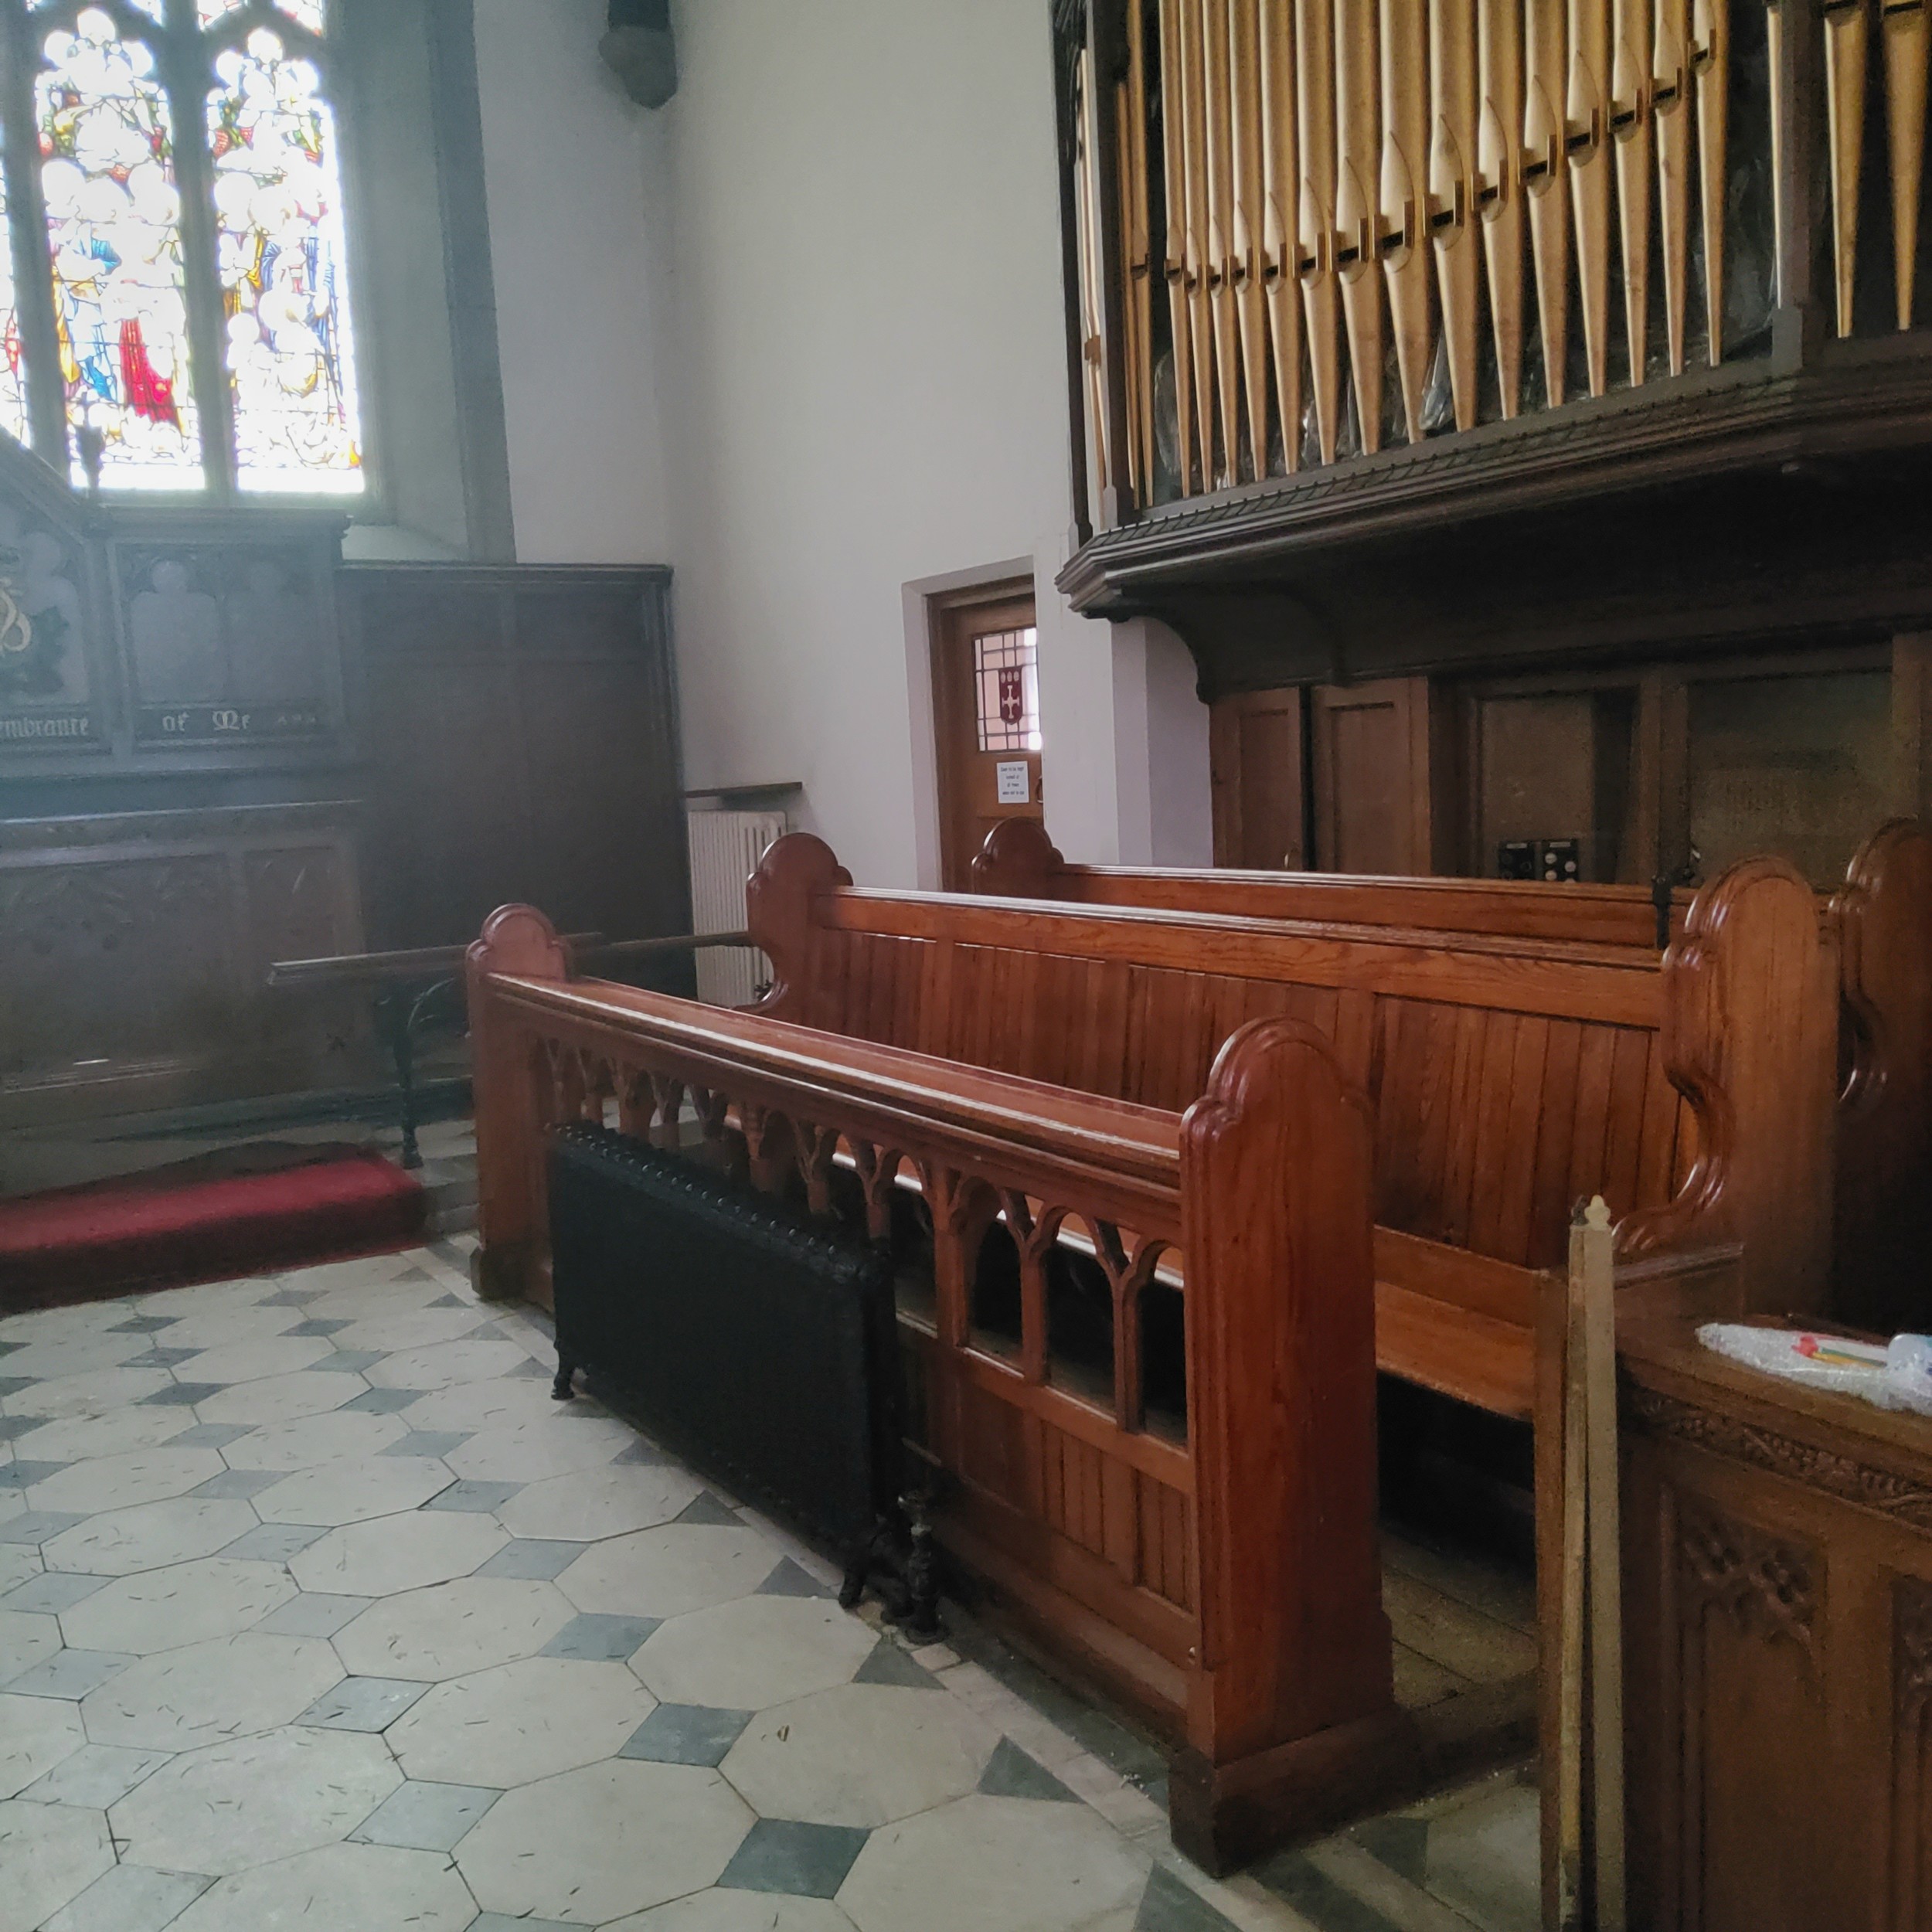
[{"x": 755, "y": 1342}]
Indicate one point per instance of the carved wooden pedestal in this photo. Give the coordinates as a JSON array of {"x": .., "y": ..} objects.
[{"x": 1778, "y": 1593}]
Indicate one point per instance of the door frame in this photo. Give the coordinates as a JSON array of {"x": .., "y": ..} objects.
[{"x": 948, "y": 613}]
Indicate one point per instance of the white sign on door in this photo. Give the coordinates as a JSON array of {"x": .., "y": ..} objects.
[{"x": 1015, "y": 781}]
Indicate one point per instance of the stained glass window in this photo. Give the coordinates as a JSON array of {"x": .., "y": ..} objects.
[
  {"x": 1006, "y": 679},
  {"x": 114, "y": 231},
  {"x": 196, "y": 347},
  {"x": 278, "y": 218},
  {"x": 13, "y": 375}
]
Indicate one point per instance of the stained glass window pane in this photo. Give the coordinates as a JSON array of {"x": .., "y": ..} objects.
[
  {"x": 13, "y": 382},
  {"x": 1006, "y": 681},
  {"x": 309, "y": 12},
  {"x": 210, "y": 11},
  {"x": 153, "y": 10},
  {"x": 114, "y": 231},
  {"x": 278, "y": 211}
]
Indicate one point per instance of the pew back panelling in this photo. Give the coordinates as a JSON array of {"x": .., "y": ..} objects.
[
  {"x": 1221, "y": 1573},
  {"x": 1508, "y": 1075}
]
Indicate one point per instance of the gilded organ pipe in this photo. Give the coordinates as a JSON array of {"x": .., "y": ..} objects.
[
  {"x": 1632, "y": 52},
  {"x": 1174, "y": 243},
  {"x": 1087, "y": 220},
  {"x": 1545, "y": 169},
  {"x": 1358, "y": 243},
  {"x": 1136, "y": 257},
  {"x": 1316, "y": 267},
  {"x": 1220, "y": 231},
  {"x": 1250, "y": 285},
  {"x": 1199, "y": 268},
  {"x": 1587, "y": 139},
  {"x": 1499, "y": 159},
  {"x": 1711, "y": 66},
  {"x": 1453, "y": 217},
  {"x": 1906, "y": 28},
  {"x": 1280, "y": 233},
  {"x": 1404, "y": 239},
  {"x": 1670, "y": 116},
  {"x": 1846, "y": 53}
]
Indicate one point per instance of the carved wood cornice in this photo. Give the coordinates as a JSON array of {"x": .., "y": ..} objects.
[
  {"x": 1888, "y": 1495},
  {"x": 1735, "y": 419}
]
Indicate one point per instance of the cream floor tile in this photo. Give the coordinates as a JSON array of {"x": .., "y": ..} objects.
[
  {"x": 738, "y": 1912},
  {"x": 544, "y": 1447},
  {"x": 17, "y": 1562},
  {"x": 11, "y": 1504},
  {"x": 518, "y": 1722},
  {"x": 1483, "y": 1856},
  {"x": 101, "y": 1391},
  {"x": 190, "y": 1603},
  {"x": 277, "y": 1354},
  {"x": 408, "y": 1329},
  {"x": 25, "y": 1640},
  {"x": 96, "y": 1777},
  {"x": 445, "y": 1362},
  {"x": 201, "y": 1327},
  {"x": 50, "y": 1854},
  {"x": 231, "y": 1806},
  {"x": 489, "y": 1404},
  {"x": 452, "y": 1629},
  {"x": 353, "y": 1490},
  {"x": 995, "y": 1865},
  {"x": 1364, "y": 1877},
  {"x": 80, "y": 1319},
  {"x": 125, "y": 1481},
  {"x": 120, "y": 1541},
  {"x": 308, "y": 1440},
  {"x": 375, "y": 1300},
  {"x": 595, "y": 1503},
  {"x": 36, "y": 1733},
  {"x": 80, "y": 1438},
  {"x": 308, "y": 1392},
  {"x": 393, "y": 1553},
  {"x": 543, "y": 1852},
  {"x": 129, "y": 1899},
  {"x": 756, "y": 1652},
  {"x": 368, "y": 1273},
  {"x": 207, "y": 1298},
  {"x": 863, "y": 1754},
  {"x": 669, "y": 1570},
  {"x": 207, "y": 1693},
  {"x": 345, "y": 1888},
  {"x": 80, "y": 1354}
]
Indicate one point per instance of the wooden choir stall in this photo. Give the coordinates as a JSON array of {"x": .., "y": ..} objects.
[{"x": 1282, "y": 1133}]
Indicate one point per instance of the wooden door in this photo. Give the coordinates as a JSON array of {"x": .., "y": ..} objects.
[
  {"x": 1380, "y": 763},
  {"x": 986, "y": 721}
]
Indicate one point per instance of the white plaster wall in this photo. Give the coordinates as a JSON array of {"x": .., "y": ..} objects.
[{"x": 578, "y": 253}]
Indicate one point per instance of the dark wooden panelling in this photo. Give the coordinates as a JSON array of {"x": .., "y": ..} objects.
[{"x": 524, "y": 741}]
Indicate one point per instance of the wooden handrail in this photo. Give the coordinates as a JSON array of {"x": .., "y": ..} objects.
[{"x": 427, "y": 962}]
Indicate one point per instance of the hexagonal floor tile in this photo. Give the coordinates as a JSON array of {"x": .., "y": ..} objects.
[
  {"x": 36, "y": 1733},
  {"x": 120, "y": 1541},
  {"x": 493, "y": 1404},
  {"x": 209, "y": 1692},
  {"x": 541, "y": 1447},
  {"x": 228, "y": 1807},
  {"x": 444, "y": 1362},
  {"x": 518, "y": 1722},
  {"x": 545, "y": 1851},
  {"x": 861, "y": 1754},
  {"x": 738, "y": 1912},
  {"x": 353, "y": 1491},
  {"x": 669, "y": 1570},
  {"x": 212, "y": 1326},
  {"x": 253, "y": 1360},
  {"x": 594, "y": 1503},
  {"x": 25, "y": 1640},
  {"x": 451, "y": 1629},
  {"x": 100, "y": 1393},
  {"x": 309, "y": 1392},
  {"x": 402, "y": 1328},
  {"x": 306, "y": 1441},
  {"x": 50, "y": 1853},
  {"x": 186, "y": 1603},
  {"x": 995, "y": 1865},
  {"x": 78, "y": 1438},
  {"x": 76, "y": 1354},
  {"x": 125, "y": 1481},
  {"x": 394, "y": 1553},
  {"x": 753, "y": 1652},
  {"x": 342, "y": 1885}
]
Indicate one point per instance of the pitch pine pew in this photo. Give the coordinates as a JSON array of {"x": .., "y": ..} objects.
[
  {"x": 1509, "y": 1075},
  {"x": 1228, "y": 1582},
  {"x": 1882, "y": 914}
]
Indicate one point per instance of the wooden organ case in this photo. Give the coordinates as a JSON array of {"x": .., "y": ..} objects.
[{"x": 1521, "y": 409}]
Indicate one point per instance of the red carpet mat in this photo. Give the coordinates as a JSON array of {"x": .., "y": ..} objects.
[{"x": 251, "y": 1210}]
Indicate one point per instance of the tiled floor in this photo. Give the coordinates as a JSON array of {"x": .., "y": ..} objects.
[{"x": 316, "y": 1611}]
